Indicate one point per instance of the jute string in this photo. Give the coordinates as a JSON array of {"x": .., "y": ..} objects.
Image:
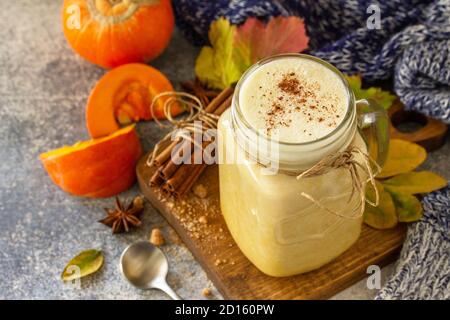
[
  {"x": 184, "y": 128},
  {"x": 344, "y": 159}
]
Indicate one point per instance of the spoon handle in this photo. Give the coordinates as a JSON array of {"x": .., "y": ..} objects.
[{"x": 169, "y": 291}]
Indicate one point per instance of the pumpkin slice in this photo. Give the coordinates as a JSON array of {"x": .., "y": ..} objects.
[
  {"x": 123, "y": 95},
  {"x": 96, "y": 168}
]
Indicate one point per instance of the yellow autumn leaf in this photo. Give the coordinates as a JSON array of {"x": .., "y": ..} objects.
[
  {"x": 216, "y": 65},
  {"x": 415, "y": 182},
  {"x": 85, "y": 263},
  {"x": 403, "y": 156},
  {"x": 384, "y": 215},
  {"x": 408, "y": 207},
  {"x": 381, "y": 97}
]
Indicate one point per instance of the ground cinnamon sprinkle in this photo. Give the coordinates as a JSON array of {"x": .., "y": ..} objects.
[
  {"x": 297, "y": 96},
  {"x": 274, "y": 116},
  {"x": 289, "y": 84}
]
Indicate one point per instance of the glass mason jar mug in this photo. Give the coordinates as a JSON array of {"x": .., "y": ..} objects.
[{"x": 281, "y": 231}]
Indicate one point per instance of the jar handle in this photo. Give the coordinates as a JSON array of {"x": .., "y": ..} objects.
[{"x": 373, "y": 123}]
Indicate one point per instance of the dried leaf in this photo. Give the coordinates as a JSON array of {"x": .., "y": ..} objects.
[
  {"x": 234, "y": 49},
  {"x": 217, "y": 65},
  {"x": 383, "y": 98},
  {"x": 403, "y": 156},
  {"x": 415, "y": 182},
  {"x": 408, "y": 207},
  {"x": 383, "y": 216},
  {"x": 85, "y": 263},
  {"x": 256, "y": 40}
]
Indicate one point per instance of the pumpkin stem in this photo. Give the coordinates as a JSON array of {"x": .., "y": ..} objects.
[{"x": 115, "y": 11}]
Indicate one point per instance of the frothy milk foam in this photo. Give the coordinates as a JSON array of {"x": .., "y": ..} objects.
[{"x": 299, "y": 98}]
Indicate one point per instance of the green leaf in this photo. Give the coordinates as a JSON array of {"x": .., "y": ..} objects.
[
  {"x": 403, "y": 156},
  {"x": 384, "y": 215},
  {"x": 383, "y": 98},
  {"x": 408, "y": 207},
  {"x": 415, "y": 182},
  {"x": 216, "y": 65},
  {"x": 85, "y": 263}
]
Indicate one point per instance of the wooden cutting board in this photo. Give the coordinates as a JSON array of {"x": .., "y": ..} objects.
[
  {"x": 429, "y": 133},
  {"x": 234, "y": 275}
]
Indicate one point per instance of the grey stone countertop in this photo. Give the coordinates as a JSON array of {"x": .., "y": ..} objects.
[{"x": 43, "y": 91}]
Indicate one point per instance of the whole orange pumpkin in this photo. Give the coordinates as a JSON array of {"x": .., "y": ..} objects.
[{"x": 110, "y": 33}]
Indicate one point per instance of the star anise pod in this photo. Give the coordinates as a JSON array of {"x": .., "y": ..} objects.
[{"x": 122, "y": 217}]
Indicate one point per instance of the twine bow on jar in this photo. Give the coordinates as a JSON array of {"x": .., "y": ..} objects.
[{"x": 346, "y": 160}]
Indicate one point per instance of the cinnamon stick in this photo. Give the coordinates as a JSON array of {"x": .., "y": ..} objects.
[
  {"x": 217, "y": 101},
  {"x": 211, "y": 93},
  {"x": 161, "y": 158},
  {"x": 156, "y": 180},
  {"x": 224, "y": 106},
  {"x": 166, "y": 171},
  {"x": 212, "y": 106},
  {"x": 167, "y": 189},
  {"x": 169, "y": 168},
  {"x": 175, "y": 179},
  {"x": 184, "y": 170},
  {"x": 187, "y": 185},
  {"x": 186, "y": 175}
]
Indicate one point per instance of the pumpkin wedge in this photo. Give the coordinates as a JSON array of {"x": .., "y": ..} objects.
[
  {"x": 96, "y": 168},
  {"x": 123, "y": 95}
]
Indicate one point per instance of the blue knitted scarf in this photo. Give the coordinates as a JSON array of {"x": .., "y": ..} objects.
[{"x": 412, "y": 45}]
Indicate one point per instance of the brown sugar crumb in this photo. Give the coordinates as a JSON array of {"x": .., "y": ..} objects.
[
  {"x": 156, "y": 237},
  {"x": 219, "y": 262},
  {"x": 200, "y": 191},
  {"x": 203, "y": 220},
  {"x": 206, "y": 292}
]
